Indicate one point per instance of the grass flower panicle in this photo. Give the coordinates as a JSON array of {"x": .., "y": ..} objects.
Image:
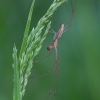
[{"x": 31, "y": 45}]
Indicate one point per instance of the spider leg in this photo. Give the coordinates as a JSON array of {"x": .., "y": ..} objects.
[{"x": 52, "y": 31}]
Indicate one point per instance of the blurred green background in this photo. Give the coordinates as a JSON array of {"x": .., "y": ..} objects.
[{"x": 79, "y": 50}]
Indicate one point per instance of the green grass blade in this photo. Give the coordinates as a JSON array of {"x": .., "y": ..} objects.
[
  {"x": 16, "y": 91},
  {"x": 27, "y": 29}
]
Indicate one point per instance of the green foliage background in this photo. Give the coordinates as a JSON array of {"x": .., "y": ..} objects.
[{"x": 79, "y": 50}]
